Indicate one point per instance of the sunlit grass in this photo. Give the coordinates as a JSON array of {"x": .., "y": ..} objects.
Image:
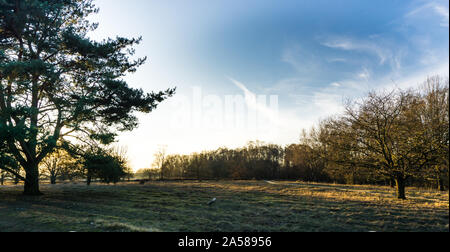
[{"x": 241, "y": 206}]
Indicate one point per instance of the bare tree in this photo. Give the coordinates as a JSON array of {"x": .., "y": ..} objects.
[
  {"x": 159, "y": 160},
  {"x": 57, "y": 164},
  {"x": 435, "y": 120},
  {"x": 389, "y": 135},
  {"x": 51, "y": 166}
]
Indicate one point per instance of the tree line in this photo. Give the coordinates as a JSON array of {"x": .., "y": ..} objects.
[
  {"x": 105, "y": 164},
  {"x": 397, "y": 138}
]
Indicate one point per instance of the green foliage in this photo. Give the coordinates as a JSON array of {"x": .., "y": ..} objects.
[
  {"x": 105, "y": 166},
  {"x": 7, "y": 161}
]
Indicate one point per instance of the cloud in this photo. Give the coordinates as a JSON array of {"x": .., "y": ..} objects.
[
  {"x": 414, "y": 80},
  {"x": 381, "y": 48},
  {"x": 365, "y": 74},
  {"x": 436, "y": 9},
  {"x": 335, "y": 60},
  {"x": 443, "y": 12},
  {"x": 291, "y": 57},
  {"x": 328, "y": 103},
  {"x": 349, "y": 44},
  {"x": 335, "y": 84},
  {"x": 299, "y": 59}
]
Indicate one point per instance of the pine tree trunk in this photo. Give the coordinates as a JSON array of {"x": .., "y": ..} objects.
[
  {"x": 88, "y": 180},
  {"x": 400, "y": 183},
  {"x": 32, "y": 181},
  {"x": 441, "y": 185}
]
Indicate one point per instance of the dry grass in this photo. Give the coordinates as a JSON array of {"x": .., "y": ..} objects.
[{"x": 241, "y": 206}]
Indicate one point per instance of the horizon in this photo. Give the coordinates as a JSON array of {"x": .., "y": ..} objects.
[{"x": 244, "y": 68}]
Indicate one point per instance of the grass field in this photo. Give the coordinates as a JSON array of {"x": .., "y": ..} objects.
[{"x": 242, "y": 206}]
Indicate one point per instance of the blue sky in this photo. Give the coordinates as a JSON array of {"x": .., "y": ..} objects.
[{"x": 312, "y": 55}]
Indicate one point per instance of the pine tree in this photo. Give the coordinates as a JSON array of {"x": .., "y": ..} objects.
[{"x": 55, "y": 82}]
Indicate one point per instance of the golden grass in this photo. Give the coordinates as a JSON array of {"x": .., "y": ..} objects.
[
  {"x": 241, "y": 206},
  {"x": 418, "y": 198}
]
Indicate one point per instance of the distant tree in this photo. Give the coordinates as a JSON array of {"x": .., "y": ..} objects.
[
  {"x": 58, "y": 164},
  {"x": 173, "y": 167},
  {"x": 198, "y": 165},
  {"x": 71, "y": 169},
  {"x": 145, "y": 174},
  {"x": 301, "y": 162},
  {"x": 105, "y": 165},
  {"x": 52, "y": 165},
  {"x": 219, "y": 163},
  {"x": 434, "y": 115},
  {"x": 159, "y": 160},
  {"x": 56, "y": 83},
  {"x": 120, "y": 154}
]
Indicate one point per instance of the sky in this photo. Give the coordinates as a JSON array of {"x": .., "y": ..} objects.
[{"x": 265, "y": 70}]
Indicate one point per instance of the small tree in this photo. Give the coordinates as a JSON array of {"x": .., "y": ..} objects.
[
  {"x": 56, "y": 165},
  {"x": 104, "y": 165}
]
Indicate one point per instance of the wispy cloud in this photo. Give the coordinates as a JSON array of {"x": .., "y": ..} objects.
[
  {"x": 435, "y": 8},
  {"x": 292, "y": 57},
  {"x": 300, "y": 59},
  {"x": 335, "y": 84},
  {"x": 443, "y": 12},
  {"x": 349, "y": 44},
  {"x": 330, "y": 103},
  {"x": 415, "y": 79},
  {"x": 386, "y": 53},
  {"x": 364, "y": 74},
  {"x": 339, "y": 60}
]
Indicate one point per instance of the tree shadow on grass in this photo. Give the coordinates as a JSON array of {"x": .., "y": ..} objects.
[{"x": 183, "y": 207}]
